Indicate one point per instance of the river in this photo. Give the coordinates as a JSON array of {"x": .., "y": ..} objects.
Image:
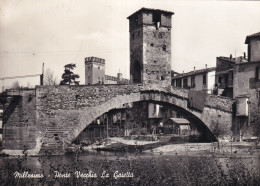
[{"x": 107, "y": 168}]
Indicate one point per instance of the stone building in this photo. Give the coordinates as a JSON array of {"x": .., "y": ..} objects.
[
  {"x": 94, "y": 70},
  {"x": 198, "y": 80},
  {"x": 224, "y": 78},
  {"x": 150, "y": 46},
  {"x": 95, "y": 73},
  {"x": 247, "y": 89}
]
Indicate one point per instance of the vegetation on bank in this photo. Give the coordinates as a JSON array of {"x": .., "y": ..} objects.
[{"x": 147, "y": 169}]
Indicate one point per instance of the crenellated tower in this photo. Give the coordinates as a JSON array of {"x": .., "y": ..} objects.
[{"x": 150, "y": 46}]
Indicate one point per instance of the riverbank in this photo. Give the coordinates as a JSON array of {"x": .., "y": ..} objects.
[{"x": 223, "y": 148}]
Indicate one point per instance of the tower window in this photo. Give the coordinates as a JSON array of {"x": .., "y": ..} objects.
[
  {"x": 152, "y": 44},
  {"x": 164, "y": 47},
  {"x": 157, "y": 19}
]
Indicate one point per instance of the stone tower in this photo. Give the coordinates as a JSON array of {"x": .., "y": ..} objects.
[
  {"x": 150, "y": 47},
  {"x": 94, "y": 70}
]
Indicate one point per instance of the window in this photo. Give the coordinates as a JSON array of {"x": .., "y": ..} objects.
[
  {"x": 185, "y": 83},
  {"x": 157, "y": 19},
  {"x": 257, "y": 73},
  {"x": 98, "y": 67},
  {"x": 193, "y": 81},
  {"x": 220, "y": 80},
  {"x": 178, "y": 82},
  {"x": 226, "y": 80},
  {"x": 164, "y": 47},
  {"x": 204, "y": 79}
]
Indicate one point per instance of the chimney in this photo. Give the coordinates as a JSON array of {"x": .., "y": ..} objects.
[
  {"x": 206, "y": 65},
  {"x": 230, "y": 56},
  {"x": 244, "y": 55},
  {"x": 194, "y": 69}
]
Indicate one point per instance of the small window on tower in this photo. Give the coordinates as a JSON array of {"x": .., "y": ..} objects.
[
  {"x": 157, "y": 19},
  {"x": 164, "y": 47}
]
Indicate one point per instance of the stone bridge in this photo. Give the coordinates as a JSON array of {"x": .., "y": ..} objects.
[{"x": 57, "y": 114}]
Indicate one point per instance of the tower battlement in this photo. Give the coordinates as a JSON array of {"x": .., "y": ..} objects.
[{"x": 94, "y": 59}]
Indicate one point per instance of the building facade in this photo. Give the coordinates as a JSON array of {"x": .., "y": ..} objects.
[
  {"x": 247, "y": 89},
  {"x": 198, "y": 80}
]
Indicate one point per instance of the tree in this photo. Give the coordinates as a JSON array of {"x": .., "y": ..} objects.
[
  {"x": 68, "y": 77},
  {"x": 49, "y": 78},
  {"x": 15, "y": 85}
]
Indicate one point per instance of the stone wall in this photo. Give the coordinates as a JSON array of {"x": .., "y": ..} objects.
[
  {"x": 19, "y": 131},
  {"x": 55, "y": 115},
  {"x": 157, "y": 55},
  {"x": 62, "y": 116}
]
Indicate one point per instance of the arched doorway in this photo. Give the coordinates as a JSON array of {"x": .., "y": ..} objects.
[{"x": 136, "y": 72}]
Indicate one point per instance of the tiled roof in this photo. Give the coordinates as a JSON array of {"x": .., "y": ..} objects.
[
  {"x": 180, "y": 120},
  {"x": 227, "y": 59},
  {"x": 150, "y": 10},
  {"x": 251, "y": 36},
  {"x": 195, "y": 72},
  {"x": 174, "y": 72}
]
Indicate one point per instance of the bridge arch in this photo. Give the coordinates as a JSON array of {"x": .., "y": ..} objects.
[
  {"x": 151, "y": 96},
  {"x": 60, "y": 117}
]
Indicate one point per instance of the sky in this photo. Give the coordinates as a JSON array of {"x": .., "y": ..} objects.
[{"x": 55, "y": 32}]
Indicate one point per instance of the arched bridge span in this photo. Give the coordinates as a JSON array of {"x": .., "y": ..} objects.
[{"x": 62, "y": 112}]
